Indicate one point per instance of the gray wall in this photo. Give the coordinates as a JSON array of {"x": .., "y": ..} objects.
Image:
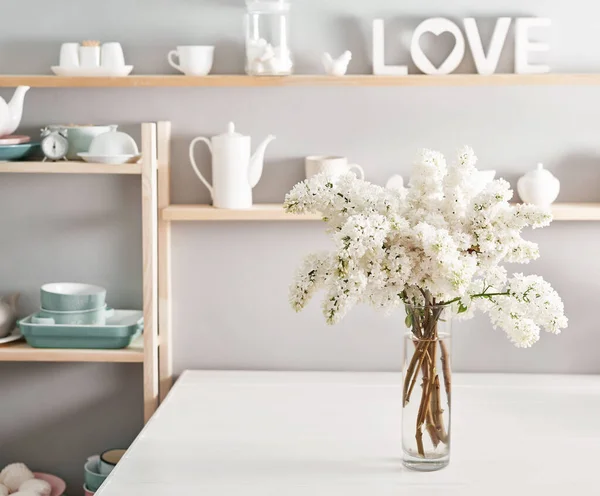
[{"x": 231, "y": 280}]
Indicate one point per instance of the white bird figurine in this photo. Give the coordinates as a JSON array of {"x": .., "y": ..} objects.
[{"x": 339, "y": 66}]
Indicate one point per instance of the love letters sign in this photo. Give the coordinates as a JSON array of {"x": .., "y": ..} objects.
[{"x": 486, "y": 63}]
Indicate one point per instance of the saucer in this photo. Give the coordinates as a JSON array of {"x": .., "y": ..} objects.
[
  {"x": 15, "y": 335},
  {"x": 92, "y": 71},
  {"x": 109, "y": 160}
]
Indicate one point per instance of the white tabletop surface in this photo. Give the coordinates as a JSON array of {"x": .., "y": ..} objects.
[{"x": 302, "y": 433}]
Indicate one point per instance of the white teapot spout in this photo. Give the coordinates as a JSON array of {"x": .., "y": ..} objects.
[
  {"x": 257, "y": 161},
  {"x": 15, "y": 111}
]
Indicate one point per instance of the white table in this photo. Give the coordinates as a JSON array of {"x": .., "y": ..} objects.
[{"x": 288, "y": 434}]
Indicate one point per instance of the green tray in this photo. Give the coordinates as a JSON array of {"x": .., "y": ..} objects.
[{"x": 118, "y": 332}]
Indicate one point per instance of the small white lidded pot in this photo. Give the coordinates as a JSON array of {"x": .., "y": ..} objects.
[
  {"x": 538, "y": 187},
  {"x": 89, "y": 56}
]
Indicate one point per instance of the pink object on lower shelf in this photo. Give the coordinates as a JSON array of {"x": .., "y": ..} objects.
[
  {"x": 58, "y": 485},
  {"x": 14, "y": 139},
  {"x": 86, "y": 491}
]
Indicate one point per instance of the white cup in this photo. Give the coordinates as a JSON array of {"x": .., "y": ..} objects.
[
  {"x": 112, "y": 55},
  {"x": 332, "y": 165},
  {"x": 69, "y": 55},
  {"x": 193, "y": 60},
  {"x": 89, "y": 56}
]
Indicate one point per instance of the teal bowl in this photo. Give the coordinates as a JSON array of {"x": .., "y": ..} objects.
[
  {"x": 72, "y": 297},
  {"x": 17, "y": 152},
  {"x": 93, "y": 477},
  {"x": 85, "y": 317}
]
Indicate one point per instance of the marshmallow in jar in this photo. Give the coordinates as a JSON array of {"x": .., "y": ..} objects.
[{"x": 267, "y": 36}]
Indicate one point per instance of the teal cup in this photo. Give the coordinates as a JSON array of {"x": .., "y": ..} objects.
[
  {"x": 93, "y": 477},
  {"x": 72, "y": 297}
]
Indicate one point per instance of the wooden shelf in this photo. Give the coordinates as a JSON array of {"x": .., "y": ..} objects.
[
  {"x": 170, "y": 80},
  {"x": 22, "y": 352},
  {"x": 576, "y": 211},
  {"x": 270, "y": 212},
  {"x": 63, "y": 167},
  {"x": 274, "y": 212}
]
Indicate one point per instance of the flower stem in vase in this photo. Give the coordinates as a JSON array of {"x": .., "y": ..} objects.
[{"x": 426, "y": 417}]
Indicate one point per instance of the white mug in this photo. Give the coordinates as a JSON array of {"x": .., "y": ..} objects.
[
  {"x": 332, "y": 165},
  {"x": 193, "y": 60},
  {"x": 69, "y": 55},
  {"x": 112, "y": 55}
]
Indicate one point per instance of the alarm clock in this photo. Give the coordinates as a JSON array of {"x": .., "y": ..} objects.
[{"x": 54, "y": 144}]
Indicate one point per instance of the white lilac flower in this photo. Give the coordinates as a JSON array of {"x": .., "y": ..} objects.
[{"x": 441, "y": 238}]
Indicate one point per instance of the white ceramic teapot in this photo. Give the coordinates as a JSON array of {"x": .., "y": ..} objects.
[
  {"x": 11, "y": 112},
  {"x": 234, "y": 171},
  {"x": 538, "y": 187}
]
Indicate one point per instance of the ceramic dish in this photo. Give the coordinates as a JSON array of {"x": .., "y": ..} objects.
[
  {"x": 15, "y": 335},
  {"x": 16, "y": 152},
  {"x": 93, "y": 477},
  {"x": 58, "y": 485},
  {"x": 97, "y": 316},
  {"x": 92, "y": 71},
  {"x": 118, "y": 332},
  {"x": 109, "y": 460},
  {"x": 72, "y": 296},
  {"x": 87, "y": 491},
  {"x": 112, "y": 160}
]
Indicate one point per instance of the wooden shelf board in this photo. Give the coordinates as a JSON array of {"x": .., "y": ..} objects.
[
  {"x": 22, "y": 352},
  {"x": 63, "y": 167},
  {"x": 270, "y": 212},
  {"x": 576, "y": 211},
  {"x": 159, "y": 80},
  {"x": 274, "y": 212}
]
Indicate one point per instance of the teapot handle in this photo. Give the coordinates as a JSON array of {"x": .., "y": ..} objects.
[{"x": 193, "y": 162}]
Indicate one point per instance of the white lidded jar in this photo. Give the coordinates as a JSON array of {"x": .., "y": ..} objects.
[
  {"x": 267, "y": 38},
  {"x": 538, "y": 187}
]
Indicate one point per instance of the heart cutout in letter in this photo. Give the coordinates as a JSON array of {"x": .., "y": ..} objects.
[{"x": 437, "y": 26}]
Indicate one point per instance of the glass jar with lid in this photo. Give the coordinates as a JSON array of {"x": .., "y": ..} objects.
[{"x": 267, "y": 38}]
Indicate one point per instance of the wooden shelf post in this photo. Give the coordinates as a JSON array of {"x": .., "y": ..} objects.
[
  {"x": 149, "y": 260},
  {"x": 165, "y": 364}
]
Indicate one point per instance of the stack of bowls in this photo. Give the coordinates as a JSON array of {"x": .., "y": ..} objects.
[
  {"x": 69, "y": 303},
  {"x": 98, "y": 467}
]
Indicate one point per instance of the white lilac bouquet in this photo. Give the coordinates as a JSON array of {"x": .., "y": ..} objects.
[
  {"x": 438, "y": 244},
  {"x": 440, "y": 241}
]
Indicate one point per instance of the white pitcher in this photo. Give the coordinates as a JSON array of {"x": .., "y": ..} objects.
[{"x": 234, "y": 171}]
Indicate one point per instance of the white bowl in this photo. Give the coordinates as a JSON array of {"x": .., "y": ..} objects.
[{"x": 113, "y": 143}]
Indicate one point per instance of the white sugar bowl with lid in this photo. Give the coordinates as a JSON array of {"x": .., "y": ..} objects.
[
  {"x": 538, "y": 187},
  {"x": 113, "y": 147}
]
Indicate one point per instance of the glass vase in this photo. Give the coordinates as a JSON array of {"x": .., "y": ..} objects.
[
  {"x": 267, "y": 38},
  {"x": 427, "y": 386}
]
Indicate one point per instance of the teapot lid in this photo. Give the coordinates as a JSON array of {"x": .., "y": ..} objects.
[
  {"x": 231, "y": 133},
  {"x": 540, "y": 173}
]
